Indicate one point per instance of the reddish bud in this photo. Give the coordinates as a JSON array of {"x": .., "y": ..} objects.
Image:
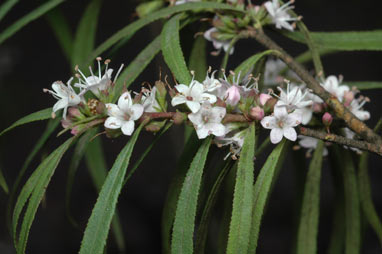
[
  {"x": 264, "y": 98},
  {"x": 348, "y": 98},
  {"x": 257, "y": 113},
  {"x": 327, "y": 119}
]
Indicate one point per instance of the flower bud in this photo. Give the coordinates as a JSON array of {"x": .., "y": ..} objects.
[
  {"x": 65, "y": 123},
  {"x": 257, "y": 113},
  {"x": 348, "y": 98},
  {"x": 74, "y": 113},
  {"x": 232, "y": 95},
  {"x": 327, "y": 119},
  {"x": 264, "y": 98}
]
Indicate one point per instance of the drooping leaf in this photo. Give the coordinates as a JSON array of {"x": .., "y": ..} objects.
[
  {"x": 308, "y": 228},
  {"x": 261, "y": 191},
  {"x": 172, "y": 52},
  {"x": 3, "y": 183},
  {"x": 84, "y": 39},
  {"x": 353, "y": 40},
  {"x": 352, "y": 203},
  {"x": 96, "y": 164},
  {"x": 130, "y": 29},
  {"x": 62, "y": 32},
  {"x": 97, "y": 229},
  {"x": 140, "y": 62},
  {"x": 50, "y": 128},
  {"x": 36, "y": 116},
  {"x": 240, "y": 228},
  {"x": 198, "y": 59},
  {"x": 6, "y": 7},
  {"x": 201, "y": 235},
  {"x": 146, "y": 152},
  {"x": 169, "y": 208},
  {"x": 248, "y": 65},
  {"x": 184, "y": 222},
  {"x": 365, "y": 85},
  {"x": 41, "y": 10},
  {"x": 34, "y": 190},
  {"x": 366, "y": 199}
]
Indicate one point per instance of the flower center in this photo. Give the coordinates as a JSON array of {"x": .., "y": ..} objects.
[{"x": 189, "y": 98}]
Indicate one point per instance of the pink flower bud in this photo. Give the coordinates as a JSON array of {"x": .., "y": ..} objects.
[
  {"x": 75, "y": 130},
  {"x": 232, "y": 95},
  {"x": 257, "y": 113},
  {"x": 74, "y": 112},
  {"x": 348, "y": 98},
  {"x": 264, "y": 98},
  {"x": 327, "y": 119},
  {"x": 65, "y": 123}
]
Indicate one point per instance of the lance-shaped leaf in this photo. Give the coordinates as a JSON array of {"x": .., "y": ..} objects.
[
  {"x": 198, "y": 58},
  {"x": 84, "y": 39},
  {"x": 96, "y": 164},
  {"x": 38, "y": 12},
  {"x": 169, "y": 208},
  {"x": 184, "y": 223},
  {"x": 6, "y": 7},
  {"x": 308, "y": 228},
  {"x": 61, "y": 30},
  {"x": 36, "y": 116},
  {"x": 34, "y": 190},
  {"x": 3, "y": 183},
  {"x": 240, "y": 228},
  {"x": 354, "y": 40},
  {"x": 132, "y": 28},
  {"x": 97, "y": 229},
  {"x": 172, "y": 51},
  {"x": 366, "y": 197},
  {"x": 261, "y": 191},
  {"x": 365, "y": 85}
]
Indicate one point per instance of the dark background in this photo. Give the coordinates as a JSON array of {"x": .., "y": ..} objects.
[{"x": 32, "y": 60}]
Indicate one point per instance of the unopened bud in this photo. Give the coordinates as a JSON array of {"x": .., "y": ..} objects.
[
  {"x": 232, "y": 95},
  {"x": 348, "y": 98},
  {"x": 161, "y": 88},
  {"x": 178, "y": 118},
  {"x": 101, "y": 108},
  {"x": 257, "y": 113},
  {"x": 327, "y": 119},
  {"x": 75, "y": 130},
  {"x": 74, "y": 113},
  {"x": 65, "y": 123},
  {"x": 264, "y": 98}
]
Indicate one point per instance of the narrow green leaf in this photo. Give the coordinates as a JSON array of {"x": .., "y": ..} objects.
[
  {"x": 337, "y": 236},
  {"x": 132, "y": 28},
  {"x": 261, "y": 191},
  {"x": 3, "y": 183},
  {"x": 84, "y": 39},
  {"x": 172, "y": 52},
  {"x": 61, "y": 29},
  {"x": 169, "y": 209},
  {"x": 36, "y": 116},
  {"x": 50, "y": 128},
  {"x": 184, "y": 223},
  {"x": 198, "y": 58},
  {"x": 147, "y": 8},
  {"x": 248, "y": 65},
  {"x": 139, "y": 63},
  {"x": 6, "y": 7},
  {"x": 79, "y": 152},
  {"x": 366, "y": 197},
  {"x": 146, "y": 152},
  {"x": 96, "y": 164},
  {"x": 201, "y": 235},
  {"x": 240, "y": 228},
  {"x": 307, "y": 56},
  {"x": 352, "y": 202},
  {"x": 34, "y": 190},
  {"x": 12, "y": 29},
  {"x": 352, "y": 40},
  {"x": 97, "y": 229},
  {"x": 365, "y": 85},
  {"x": 310, "y": 210}
]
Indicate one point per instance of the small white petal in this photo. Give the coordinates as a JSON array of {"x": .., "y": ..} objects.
[
  {"x": 60, "y": 104},
  {"x": 125, "y": 102},
  {"x": 217, "y": 129},
  {"x": 276, "y": 135},
  {"x": 196, "y": 119},
  {"x": 280, "y": 112},
  {"x": 193, "y": 106},
  {"x": 290, "y": 133},
  {"x": 269, "y": 122},
  {"x": 113, "y": 110},
  {"x": 128, "y": 127},
  {"x": 136, "y": 111},
  {"x": 182, "y": 88},
  {"x": 178, "y": 99},
  {"x": 113, "y": 123},
  {"x": 202, "y": 132}
]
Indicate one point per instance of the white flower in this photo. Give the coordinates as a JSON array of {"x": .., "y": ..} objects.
[
  {"x": 351, "y": 135},
  {"x": 356, "y": 108},
  {"x": 208, "y": 121},
  {"x": 210, "y": 83},
  {"x": 293, "y": 98},
  {"x": 281, "y": 124},
  {"x": 218, "y": 44},
  {"x": 65, "y": 95},
  {"x": 192, "y": 95},
  {"x": 332, "y": 85},
  {"x": 96, "y": 83},
  {"x": 272, "y": 71},
  {"x": 231, "y": 93},
  {"x": 124, "y": 114},
  {"x": 149, "y": 100},
  {"x": 234, "y": 138},
  {"x": 310, "y": 144},
  {"x": 279, "y": 15}
]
